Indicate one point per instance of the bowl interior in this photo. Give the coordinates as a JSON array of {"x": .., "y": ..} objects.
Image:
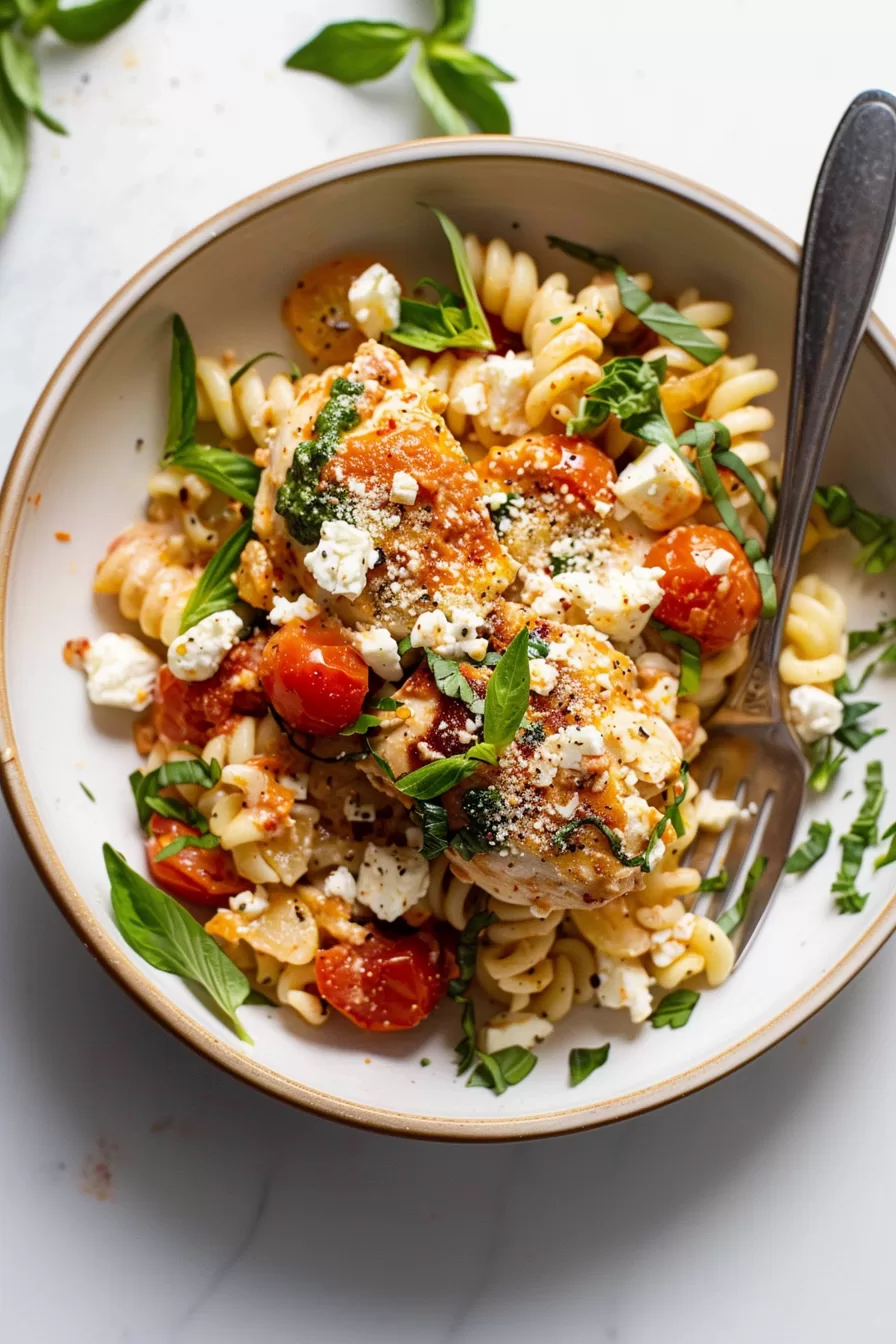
[{"x": 82, "y": 470}]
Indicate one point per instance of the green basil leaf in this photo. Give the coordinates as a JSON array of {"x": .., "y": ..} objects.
[
  {"x": 718, "y": 882},
  {"x": 433, "y": 820},
  {"x": 747, "y": 480},
  {"x": 734, "y": 916},
  {"x": 474, "y": 96},
  {"x": 507, "y": 694},
  {"x": 466, "y": 62},
  {"x": 630, "y": 390},
  {"x": 204, "y": 773},
  {"x": 207, "y": 841},
  {"x": 13, "y": 149},
  {"x": 162, "y": 933},
  {"x": 250, "y": 363},
  {"x": 175, "y": 809},
  {"x": 236, "y": 475},
  {"x": 20, "y": 68},
  {"x": 181, "y": 388},
  {"x": 364, "y": 723},
  {"x": 467, "y": 946},
  {"x": 861, "y": 834},
  {"x": 354, "y": 52},
  {"x": 436, "y": 778},
  {"x": 488, "y": 820},
  {"x": 478, "y": 319},
  {"x": 442, "y": 110},
  {"x": 484, "y": 751},
  {"x": 487, "y": 1074},
  {"x": 869, "y": 639},
  {"x": 601, "y": 261},
  {"x": 825, "y": 765},
  {"x": 890, "y": 855},
  {"x": 515, "y": 1063},
  {"x": 216, "y": 590},
  {"x": 466, "y": 1046},
  {"x": 449, "y": 679},
  {"x": 690, "y": 668},
  {"x": 812, "y": 849},
  {"x": 83, "y": 24},
  {"x": 455, "y": 19},
  {"x": 674, "y": 1010},
  {"x": 584, "y": 1060},
  {"x": 90, "y": 795},
  {"x": 666, "y": 321},
  {"x": 876, "y": 532}
]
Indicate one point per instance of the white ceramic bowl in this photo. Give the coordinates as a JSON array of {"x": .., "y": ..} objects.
[{"x": 77, "y": 470}]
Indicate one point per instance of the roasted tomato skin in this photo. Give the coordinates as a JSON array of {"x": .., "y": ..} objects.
[
  {"x": 714, "y": 609},
  {"x": 194, "y": 711},
  {"x": 385, "y": 984},
  {"x": 203, "y": 876},
  {"x": 551, "y": 462},
  {"x": 313, "y": 677},
  {"x": 318, "y": 313}
]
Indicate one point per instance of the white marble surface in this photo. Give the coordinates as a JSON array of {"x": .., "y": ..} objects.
[{"x": 147, "y": 1197}]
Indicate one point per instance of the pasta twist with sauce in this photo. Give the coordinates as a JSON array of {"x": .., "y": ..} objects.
[
  {"x": 150, "y": 569},
  {"x": 246, "y": 408}
]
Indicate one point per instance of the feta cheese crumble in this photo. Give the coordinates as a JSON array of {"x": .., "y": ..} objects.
[
  {"x": 617, "y": 604},
  {"x": 624, "y": 983},
  {"x": 375, "y": 301},
  {"x": 814, "y": 713},
  {"x": 391, "y": 880},
  {"x": 718, "y": 562},
  {"x": 197, "y": 654},
  {"x": 714, "y": 814},
  {"x": 379, "y": 650},
  {"x": 342, "y": 557},
  {"x": 506, "y": 1029},
  {"x": 341, "y": 882},
  {"x": 454, "y": 638},
  {"x": 249, "y": 903},
  {"x": 658, "y": 488},
  {"x": 542, "y": 676},
  {"x": 404, "y": 488},
  {"x": 282, "y": 610},
  {"x": 565, "y": 750},
  {"x": 505, "y": 381},
  {"x": 120, "y": 671}
]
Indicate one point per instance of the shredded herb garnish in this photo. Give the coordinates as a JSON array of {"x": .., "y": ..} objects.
[{"x": 300, "y": 500}]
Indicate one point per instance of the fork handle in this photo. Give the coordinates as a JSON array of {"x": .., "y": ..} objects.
[{"x": 847, "y": 237}]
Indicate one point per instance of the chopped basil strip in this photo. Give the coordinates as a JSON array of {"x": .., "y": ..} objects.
[
  {"x": 584, "y": 1060},
  {"x": 446, "y": 324},
  {"x": 487, "y": 820},
  {"x": 164, "y": 934},
  {"x": 811, "y": 850},
  {"x": 433, "y": 820},
  {"x": 90, "y": 795},
  {"x": 861, "y": 834},
  {"x": 451, "y": 681},
  {"x": 236, "y": 475},
  {"x": 666, "y": 321},
  {"x": 675, "y": 1009},
  {"x": 614, "y": 839},
  {"x": 875, "y": 532},
  {"x": 505, "y": 1068},
  {"x": 734, "y": 916},
  {"x": 216, "y": 590},
  {"x": 180, "y": 842},
  {"x": 145, "y": 788},
  {"x": 630, "y": 390},
  {"x": 467, "y": 946},
  {"x": 601, "y": 261},
  {"x": 466, "y": 1046},
  {"x": 181, "y": 388},
  {"x": 890, "y": 855},
  {"x": 718, "y": 882},
  {"x": 825, "y": 764},
  {"x": 690, "y": 667},
  {"x": 294, "y": 372}
]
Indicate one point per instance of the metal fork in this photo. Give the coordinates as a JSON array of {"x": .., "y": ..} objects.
[{"x": 751, "y": 753}]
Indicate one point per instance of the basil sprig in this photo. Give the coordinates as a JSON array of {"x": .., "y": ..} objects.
[
  {"x": 875, "y": 532},
  {"x": 505, "y": 1068},
  {"x": 662, "y": 318},
  {"x": 689, "y": 651},
  {"x": 147, "y": 796},
  {"x": 216, "y": 590},
  {"x": 813, "y": 848},
  {"x": 733, "y": 917},
  {"x": 182, "y": 403},
  {"x": 630, "y": 390},
  {"x": 584, "y": 1060},
  {"x": 20, "y": 85},
  {"x": 162, "y": 933},
  {"x": 861, "y": 834},
  {"x": 614, "y": 839},
  {"x": 506, "y": 702},
  {"x": 455, "y": 85},
  {"x": 226, "y": 470},
  {"x": 433, "y": 820},
  {"x": 457, "y": 320},
  {"x": 451, "y": 681},
  {"x": 674, "y": 1010}
]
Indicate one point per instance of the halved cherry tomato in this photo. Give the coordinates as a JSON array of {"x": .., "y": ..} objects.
[
  {"x": 313, "y": 677},
  {"x": 714, "y": 609},
  {"x": 194, "y": 711},
  {"x": 203, "y": 876},
  {"x": 385, "y": 984},
  {"x": 550, "y": 462},
  {"x": 318, "y": 312}
]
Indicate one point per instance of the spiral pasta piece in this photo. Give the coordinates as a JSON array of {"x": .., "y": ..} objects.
[
  {"x": 246, "y": 408},
  {"x": 815, "y": 632},
  {"x": 144, "y": 568}
]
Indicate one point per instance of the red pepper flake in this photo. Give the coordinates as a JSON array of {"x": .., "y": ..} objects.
[{"x": 63, "y": 536}]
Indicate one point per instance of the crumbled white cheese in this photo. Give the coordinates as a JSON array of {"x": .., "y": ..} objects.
[
  {"x": 470, "y": 400},
  {"x": 197, "y": 654},
  {"x": 658, "y": 488},
  {"x": 659, "y": 684},
  {"x": 714, "y": 814},
  {"x": 542, "y": 676},
  {"x": 297, "y": 785},
  {"x": 120, "y": 671},
  {"x": 639, "y": 820},
  {"x": 718, "y": 562},
  {"x": 814, "y": 713},
  {"x": 375, "y": 301},
  {"x": 620, "y": 603},
  {"x": 379, "y": 650},
  {"x": 249, "y": 903},
  {"x": 643, "y": 742},
  {"x": 404, "y": 488},
  {"x": 567, "y": 809},
  {"x": 541, "y": 594},
  {"x": 450, "y": 638},
  {"x": 506, "y": 1029},
  {"x": 340, "y": 882},
  {"x": 353, "y": 810},
  {"x": 667, "y": 945},
  {"x": 506, "y": 380},
  {"x": 282, "y": 610},
  {"x": 565, "y": 750},
  {"x": 624, "y": 983},
  {"x": 342, "y": 557},
  {"x": 391, "y": 880}
]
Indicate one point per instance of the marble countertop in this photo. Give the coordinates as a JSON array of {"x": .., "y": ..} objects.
[{"x": 148, "y": 1197}]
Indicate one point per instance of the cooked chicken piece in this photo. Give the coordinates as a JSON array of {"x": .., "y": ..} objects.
[
  {"x": 402, "y": 481},
  {"x": 591, "y": 746}
]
